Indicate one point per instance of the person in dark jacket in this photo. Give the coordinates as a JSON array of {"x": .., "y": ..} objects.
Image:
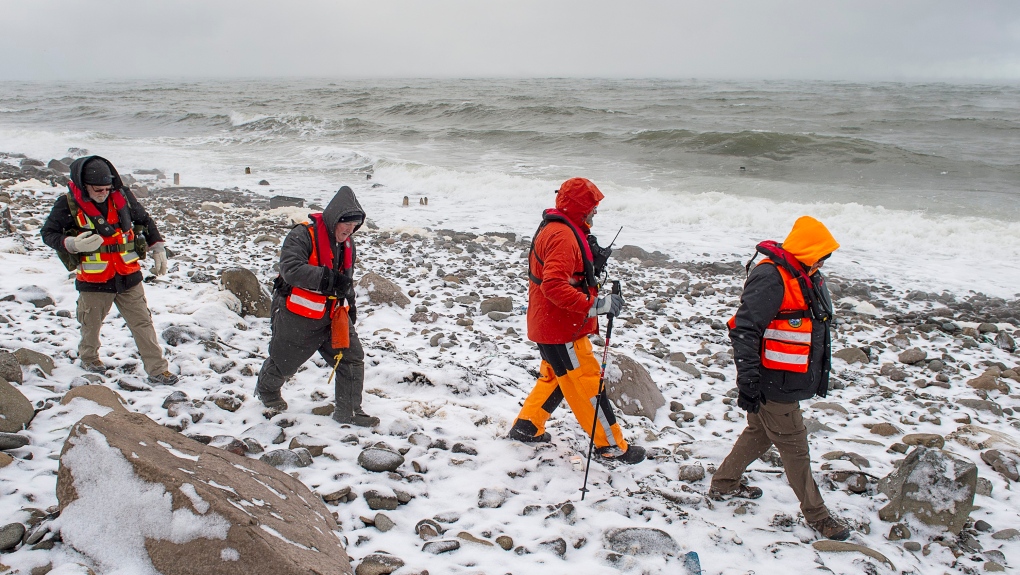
[
  {"x": 781, "y": 347},
  {"x": 95, "y": 228},
  {"x": 316, "y": 279}
]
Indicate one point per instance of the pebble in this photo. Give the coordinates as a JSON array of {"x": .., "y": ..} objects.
[
  {"x": 10, "y": 535},
  {"x": 380, "y": 460},
  {"x": 441, "y": 546}
]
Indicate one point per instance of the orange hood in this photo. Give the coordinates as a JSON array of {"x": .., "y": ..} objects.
[
  {"x": 576, "y": 197},
  {"x": 809, "y": 241}
]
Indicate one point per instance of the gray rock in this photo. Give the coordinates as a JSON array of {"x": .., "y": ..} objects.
[
  {"x": 27, "y": 356},
  {"x": 503, "y": 304},
  {"x": 641, "y": 541},
  {"x": 284, "y": 458},
  {"x": 852, "y": 355},
  {"x": 1009, "y": 534},
  {"x": 34, "y": 295},
  {"x": 379, "y": 563},
  {"x": 12, "y": 441},
  {"x": 1005, "y": 341},
  {"x": 441, "y": 546},
  {"x": 10, "y": 535},
  {"x": 557, "y": 546},
  {"x": 631, "y": 388},
  {"x": 987, "y": 328},
  {"x": 16, "y": 410},
  {"x": 175, "y": 397},
  {"x": 981, "y": 405},
  {"x": 913, "y": 356},
  {"x": 691, "y": 473},
  {"x": 687, "y": 368},
  {"x": 382, "y": 291},
  {"x": 497, "y": 315},
  {"x": 380, "y": 460},
  {"x": 245, "y": 285},
  {"x": 1002, "y": 463},
  {"x": 383, "y": 522},
  {"x": 829, "y": 406},
  {"x": 491, "y": 498},
  {"x": 377, "y": 500},
  {"x": 10, "y": 368},
  {"x": 932, "y": 485},
  {"x": 281, "y": 201}
]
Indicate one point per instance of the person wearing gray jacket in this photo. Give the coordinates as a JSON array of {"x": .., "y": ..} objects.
[{"x": 316, "y": 281}]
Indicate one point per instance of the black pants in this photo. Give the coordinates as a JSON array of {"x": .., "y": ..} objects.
[{"x": 295, "y": 339}]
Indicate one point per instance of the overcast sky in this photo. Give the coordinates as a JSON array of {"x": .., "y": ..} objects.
[{"x": 809, "y": 39}]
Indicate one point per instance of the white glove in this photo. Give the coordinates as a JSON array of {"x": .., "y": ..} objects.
[
  {"x": 608, "y": 304},
  {"x": 159, "y": 262},
  {"x": 87, "y": 242}
]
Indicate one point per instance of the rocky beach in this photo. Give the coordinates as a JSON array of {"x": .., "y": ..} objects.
[{"x": 915, "y": 445}]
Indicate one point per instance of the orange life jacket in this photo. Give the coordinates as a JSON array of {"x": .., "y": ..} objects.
[
  {"x": 786, "y": 343},
  {"x": 310, "y": 303},
  {"x": 116, "y": 256}
]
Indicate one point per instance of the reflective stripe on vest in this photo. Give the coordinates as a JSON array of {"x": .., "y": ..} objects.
[
  {"x": 308, "y": 303},
  {"x": 115, "y": 256},
  {"x": 786, "y": 343}
]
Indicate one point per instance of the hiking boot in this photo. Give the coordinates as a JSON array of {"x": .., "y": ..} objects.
[
  {"x": 272, "y": 401},
  {"x": 94, "y": 366},
  {"x": 831, "y": 528},
  {"x": 518, "y": 435},
  {"x": 165, "y": 378},
  {"x": 634, "y": 454},
  {"x": 359, "y": 419},
  {"x": 743, "y": 491}
]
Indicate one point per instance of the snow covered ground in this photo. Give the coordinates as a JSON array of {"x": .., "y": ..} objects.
[{"x": 448, "y": 401}]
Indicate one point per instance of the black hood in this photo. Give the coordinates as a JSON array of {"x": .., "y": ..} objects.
[
  {"x": 78, "y": 166},
  {"x": 343, "y": 204}
]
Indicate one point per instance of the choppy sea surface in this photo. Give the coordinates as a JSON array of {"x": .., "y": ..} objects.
[{"x": 920, "y": 183}]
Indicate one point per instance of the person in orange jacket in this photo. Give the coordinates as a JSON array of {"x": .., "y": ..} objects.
[
  {"x": 563, "y": 305},
  {"x": 781, "y": 347}
]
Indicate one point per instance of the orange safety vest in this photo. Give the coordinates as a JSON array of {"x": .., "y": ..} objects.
[
  {"x": 310, "y": 303},
  {"x": 786, "y": 343},
  {"x": 117, "y": 253}
]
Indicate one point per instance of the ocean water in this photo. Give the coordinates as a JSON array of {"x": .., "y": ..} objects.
[{"x": 920, "y": 183}]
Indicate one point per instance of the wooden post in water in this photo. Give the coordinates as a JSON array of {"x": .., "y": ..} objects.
[{"x": 177, "y": 179}]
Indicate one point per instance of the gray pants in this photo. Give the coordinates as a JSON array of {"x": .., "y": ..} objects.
[
  {"x": 294, "y": 340},
  {"x": 93, "y": 307},
  {"x": 782, "y": 425}
]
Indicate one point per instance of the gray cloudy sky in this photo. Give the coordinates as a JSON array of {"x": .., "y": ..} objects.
[{"x": 813, "y": 39}]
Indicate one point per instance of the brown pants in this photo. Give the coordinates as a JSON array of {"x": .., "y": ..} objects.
[
  {"x": 93, "y": 308},
  {"x": 782, "y": 425}
]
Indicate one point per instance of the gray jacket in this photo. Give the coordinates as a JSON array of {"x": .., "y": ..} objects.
[{"x": 297, "y": 248}]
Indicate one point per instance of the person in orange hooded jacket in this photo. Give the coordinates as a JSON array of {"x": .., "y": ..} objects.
[
  {"x": 563, "y": 303},
  {"x": 781, "y": 347}
]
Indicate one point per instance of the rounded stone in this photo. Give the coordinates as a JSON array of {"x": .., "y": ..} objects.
[
  {"x": 380, "y": 460},
  {"x": 10, "y": 535}
]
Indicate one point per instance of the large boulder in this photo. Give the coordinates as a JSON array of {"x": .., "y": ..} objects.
[
  {"x": 245, "y": 285},
  {"x": 136, "y": 497},
  {"x": 16, "y": 410},
  {"x": 382, "y": 291},
  {"x": 631, "y": 388},
  {"x": 933, "y": 486}
]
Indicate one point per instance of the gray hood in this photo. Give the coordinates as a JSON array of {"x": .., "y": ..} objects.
[{"x": 344, "y": 203}]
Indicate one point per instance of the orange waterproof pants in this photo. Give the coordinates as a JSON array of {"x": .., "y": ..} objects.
[{"x": 570, "y": 371}]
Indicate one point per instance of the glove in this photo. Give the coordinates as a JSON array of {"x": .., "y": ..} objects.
[
  {"x": 159, "y": 263},
  {"x": 87, "y": 242},
  {"x": 749, "y": 397},
  {"x": 341, "y": 285},
  {"x": 608, "y": 304}
]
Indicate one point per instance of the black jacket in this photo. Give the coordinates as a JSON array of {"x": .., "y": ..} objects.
[
  {"x": 60, "y": 221},
  {"x": 759, "y": 304},
  {"x": 297, "y": 248}
]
